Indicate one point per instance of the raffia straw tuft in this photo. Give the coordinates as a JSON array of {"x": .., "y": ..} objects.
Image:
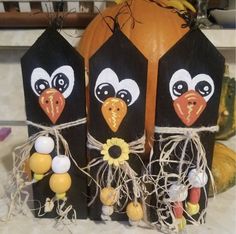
[
  {"x": 121, "y": 177},
  {"x": 178, "y": 138}
]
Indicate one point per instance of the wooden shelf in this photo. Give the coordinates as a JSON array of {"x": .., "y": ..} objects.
[
  {"x": 221, "y": 38},
  {"x": 26, "y": 38}
]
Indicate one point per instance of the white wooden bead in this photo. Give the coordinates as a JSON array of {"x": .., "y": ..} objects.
[
  {"x": 197, "y": 179},
  {"x": 133, "y": 223},
  {"x": 44, "y": 145},
  {"x": 61, "y": 164},
  {"x": 107, "y": 210},
  {"x": 177, "y": 192}
]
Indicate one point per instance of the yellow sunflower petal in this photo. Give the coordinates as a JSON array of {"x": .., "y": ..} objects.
[
  {"x": 105, "y": 147},
  {"x": 115, "y": 141},
  {"x": 125, "y": 156},
  {"x": 106, "y": 157},
  {"x": 104, "y": 152},
  {"x": 110, "y": 161},
  {"x": 116, "y": 162},
  {"x": 125, "y": 150},
  {"x": 109, "y": 143}
]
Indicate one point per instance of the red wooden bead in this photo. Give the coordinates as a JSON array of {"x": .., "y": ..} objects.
[
  {"x": 178, "y": 210},
  {"x": 194, "y": 195}
]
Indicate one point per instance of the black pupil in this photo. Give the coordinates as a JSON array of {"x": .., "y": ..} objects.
[
  {"x": 114, "y": 151},
  {"x": 41, "y": 85},
  {"x": 203, "y": 88},
  {"x": 60, "y": 82},
  {"x": 124, "y": 95},
  {"x": 179, "y": 88},
  {"x": 105, "y": 91}
]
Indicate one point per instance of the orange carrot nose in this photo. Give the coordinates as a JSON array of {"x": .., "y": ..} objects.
[
  {"x": 114, "y": 110},
  {"x": 52, "y": 102},
  {"x": 189, "y": 107}
]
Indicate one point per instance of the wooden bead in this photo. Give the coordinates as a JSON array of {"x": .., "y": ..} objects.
[
  {"x": 134, "y": 211},
  {"x": 181, "y": 223},
  {"x": 108, "y": 196},
  {"x": 197, "y": 179},
  {"x": 40, "y": 163},
  {"x": 192, "y": 209},
  {"x": 61, "y": 164},
  {"x": 44, "y": 145},
  {"x": 194, "y": 195},
  {"x": 178, "y": 210},
  {"x": 59, "y": 184},
  {"x": 178, "y": 192}
]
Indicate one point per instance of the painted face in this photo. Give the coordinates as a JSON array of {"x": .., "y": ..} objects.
[
  {"x": 190, "y": 95},
  {"x": 52, "y": 90},
  {"x": 116, "y": 96}
]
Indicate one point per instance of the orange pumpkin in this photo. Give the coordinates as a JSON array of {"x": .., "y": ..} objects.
[{"x": 156, "y": 31}]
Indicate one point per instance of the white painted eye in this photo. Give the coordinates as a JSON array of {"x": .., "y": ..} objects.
[
  {"x": 40, "y": 80},
  {"x": 204, "y": 85},
  {"x": 63, "y": 80},
  {"x": 106, "y": 85},
  {"x": 180, "y": 83},
  {"x": 128, "y": 91}
]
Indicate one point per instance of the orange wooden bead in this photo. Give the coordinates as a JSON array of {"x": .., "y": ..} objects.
[
  {"x": 40, "y": 163},
  {"x": 60, "y": 184},
  {"x": 134, "y": 211},
  {"x": 108, "y": 196}
]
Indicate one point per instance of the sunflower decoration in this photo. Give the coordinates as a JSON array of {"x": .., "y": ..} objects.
[
  {"x": 115, "y": 151},
  {"x": 118, "y": 185}
]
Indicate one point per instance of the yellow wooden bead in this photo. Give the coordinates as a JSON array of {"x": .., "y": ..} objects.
[
  {"x": 192, "y": 209},
  {"x": 40, "y": 163},
  {"x": 60, "y": 196},
  {"x": 38, "y": 176},
  {"x": 134, "y": 211},
  {"x": 181, "y": 223},
  {"x": 108, "y": 196},
  {"x": 60, "y": 183}
]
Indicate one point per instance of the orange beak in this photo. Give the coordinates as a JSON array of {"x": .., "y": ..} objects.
[
  {"x": 114, "y": 110},
  {"x": 52, "y": 102},
  {"x": 189, "y": 107}
]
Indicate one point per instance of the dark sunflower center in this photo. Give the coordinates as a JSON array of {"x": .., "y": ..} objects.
[{"x": 114, "y": 151}]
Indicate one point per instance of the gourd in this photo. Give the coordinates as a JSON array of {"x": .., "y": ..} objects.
[{"x": 223, "y": 168}]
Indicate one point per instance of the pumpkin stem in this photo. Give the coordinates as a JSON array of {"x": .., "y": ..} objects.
[
  {"x": 186, "y": 16},
  {"x": 125, "y": 9}
]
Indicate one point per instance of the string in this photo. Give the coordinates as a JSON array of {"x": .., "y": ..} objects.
[
  {"x": 120, "y": 176},
  {"x": 19, "y": 179},
  {"x": 135, "y": 147},
  {"x": 167, "y": 146}
]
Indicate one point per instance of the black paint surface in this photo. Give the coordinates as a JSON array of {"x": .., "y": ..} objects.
[
  {"x": 195, "y": 54},
  {"x": 49, "y": 52},
  {"x": 119, "y": 54}
]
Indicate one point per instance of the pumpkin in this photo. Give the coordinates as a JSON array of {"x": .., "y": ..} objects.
[{"x": 155, "y": 31}]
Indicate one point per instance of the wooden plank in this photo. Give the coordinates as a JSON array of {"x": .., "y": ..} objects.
[
  {"x": 24, "y": 7},
  {"x": 73, "y": 6},
  {"x": 99, "y": 6},
  {"x": 47, "y": 6},
  {"x": 2, "y": 9},
  {"x": 41, "y": 20}
]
